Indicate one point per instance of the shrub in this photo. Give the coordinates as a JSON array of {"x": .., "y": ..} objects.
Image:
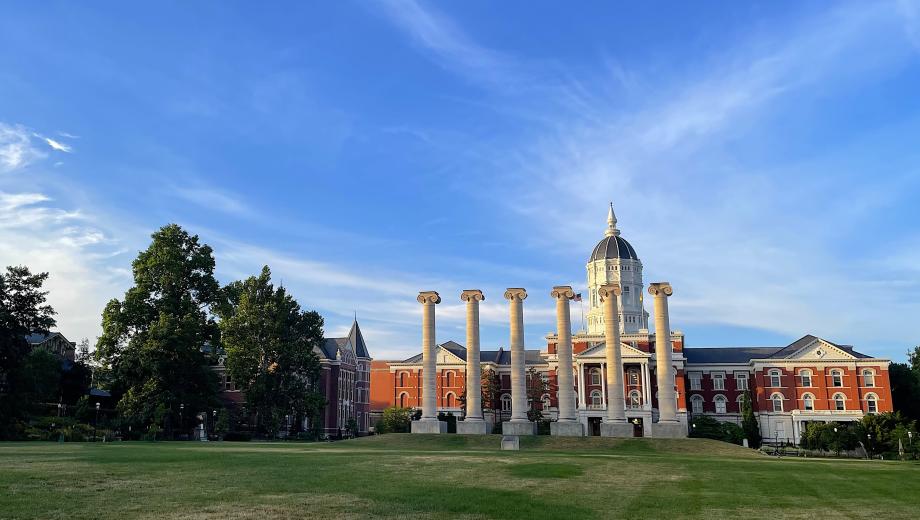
[
  {"x": 395, "y": 420},
  {"x": 238, "y": 436},
  {"x": 706, "y": 427}
]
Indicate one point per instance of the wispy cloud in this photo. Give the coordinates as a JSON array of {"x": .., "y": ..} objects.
[
  {"x": 215, "y": 199},
  {"x": 16, "y": 149},
  {"x": 55, "y": 145}
]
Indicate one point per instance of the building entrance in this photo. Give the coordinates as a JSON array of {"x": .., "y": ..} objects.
[
  {"x": 594, "y": 426},
  {"x": 637, "y": 427}
]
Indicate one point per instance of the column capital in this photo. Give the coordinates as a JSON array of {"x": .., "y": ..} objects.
[
  {"x": 609, "y": 289},
  {"x": 516, "y": 293},
  {"x": 429, "y": 297},
  {"x": 562, "y": 292},
  {"x": 472, "y": 295},
  {"x": 660, "y": 288}
]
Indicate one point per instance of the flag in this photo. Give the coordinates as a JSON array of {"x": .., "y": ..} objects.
[{"x": 578, "y": 297}]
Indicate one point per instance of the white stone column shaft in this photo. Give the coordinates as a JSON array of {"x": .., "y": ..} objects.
[
  {"x": 515, "y": 297},
  {"x": 564, "y": 375},
  {"x": 429, "y": 299},
  {"x": 667, "y": 399},
  {"x": 581, "y": 386},
  {"x": 472, "y": 298},
  {"x": 616, "y": 409}
]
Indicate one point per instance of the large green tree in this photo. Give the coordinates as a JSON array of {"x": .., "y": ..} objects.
[
  {"x": 155, "y": 341},
  {"x": 270, "y": 344},
  {"x": 905, "y": 385},
  {"x": 23, "y": 311},
  {"x": 749, "y": 422}
]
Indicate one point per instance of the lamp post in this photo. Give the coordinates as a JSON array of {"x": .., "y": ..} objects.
[
  {"x": 96, "y": 423},
  {"x": 214, "y": 423},
  {"x": 910, "y": 439},
  {"x": 181, "y": 410}
]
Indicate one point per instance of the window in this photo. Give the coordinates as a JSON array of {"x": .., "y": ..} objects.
[
  {"x": 839, "y": 402},
  {"x": 451, "y": 400},
  {"x": 777, "y": 400},
  {"x": 720, "y": 403},
  {"x": 404, "y": 400},
  {"x": 741, "y": 381},
  {"x": 228, "y": 383},
  {"x": 696, "y": 404},
  {"x": 449, "y": 379},
  {"x": 836, "y": 378},
  {"x": 868, "y": 378},
  {"x": 805, "y": 377},
  {"x": 718, "y": 381},
  {"x": 596, "y": 399},
  {"x": 694, "y": 381},
  {"x": 775, "y": 379},
  {"x": 506, "y": 403},
  {"x": 808, "y": 401},
  {"x": 403, "y": 379},
  {"x": 871, "y": 403},
  {"x": 634, "y": 399},
  {"x": 595, "y": 376},
  {"x": 546, "y": 401},
  {"x": 633, "y": 376}
]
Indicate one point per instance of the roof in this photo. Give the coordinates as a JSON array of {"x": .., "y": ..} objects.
[
  {"x": 357, "y": 340},
  {"x": 808, "y": 339},
  {"x": 499, "y": 357},
  {"x": 710, "y": 355},
  {"x": 613, "y": 247},
  {"x": 354, "y": 342},
  {"x": 38, "y": 338}
]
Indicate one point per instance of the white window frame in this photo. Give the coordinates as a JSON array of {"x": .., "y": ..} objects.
[
  {"x": 506, "y": 402},
  {"x": 741, "y": 381},
  {"x": 595, "y": 373},
  {"x": 836, "y": 377},
  {"x": 871, "y": 403},
  {"x": 695, "y": 380},
  {"x": 803, "y": 374},
  {"x": 840, "y": 401},
  {"x": 777, "y": 397},
  {"x": 635, "y": 400},
  {"x": 778, "y": 381},
  {"x": 721, "y": 403},
  {"x": 696, "y": 404},
  {"x": 597, "y": 399},
  {"x": 868, "y": 378},
  {"x": 808, "y": 402},
  {"x": 718, "y": 381}
]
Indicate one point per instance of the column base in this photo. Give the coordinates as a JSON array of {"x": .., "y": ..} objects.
[
  {"x": 616, "y": 429},
  {"x": 429, "y": 426},
  {"x": 474, "y": 427},
  {"x": 519, "y": 428},
  {"x": 669, "y": 430},
  {"x": 511, "y": 443},
  {"x": 567, "y": 429}
]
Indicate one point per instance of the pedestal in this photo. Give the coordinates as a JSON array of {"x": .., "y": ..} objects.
[
  {"x": 669, "y": 430},
  {"x": 519, "y": 428},
  {"x": 429, "y": 426},
  {"x": 511, "y": 443},
  {"x": 614, "y": 429},
  {"x": 469, "y": 427},
  {"x": 567, "y": 429}
]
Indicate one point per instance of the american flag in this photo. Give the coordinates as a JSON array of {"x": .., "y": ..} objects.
[{"x": 578, "y": 297}]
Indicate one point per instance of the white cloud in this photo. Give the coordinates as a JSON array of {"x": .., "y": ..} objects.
[
  {"x": 16, "y": 150},
  {"x": 56, "y": 145},
  {"x": 214, "y": 199}
]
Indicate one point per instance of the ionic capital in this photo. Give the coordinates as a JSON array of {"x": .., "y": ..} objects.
[
  {"x": 515, "y": 293},
  {"x": 660, "y": 288},
  {"x": 562, "y": 292},
  {"x": 429, "y": 297},
  {"x": 472, "y": 295},
  {"x": 608, "y": 290}
]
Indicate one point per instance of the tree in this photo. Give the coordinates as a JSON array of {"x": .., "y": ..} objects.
[
  {"x": 270, "y": 346},
  {"x": 395, "y": 420},
  {"x": 23, "y": 311},
  {"x": 537, "y": 386},
  {"x": 905, "y": 385},
  {"x": 491, "y": 388},
  {"x": 155, "y": 340},
  {"x": 749, "y": 422}
]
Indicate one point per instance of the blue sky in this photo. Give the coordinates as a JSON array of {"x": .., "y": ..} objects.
[{"x": 762, "y": 157}]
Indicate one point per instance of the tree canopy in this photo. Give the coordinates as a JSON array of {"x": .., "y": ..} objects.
[
  {"x": 155, "y": 340},
  {"x": 270, "y": 344}
]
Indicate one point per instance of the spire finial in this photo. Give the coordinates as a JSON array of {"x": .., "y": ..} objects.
[{"x": 611, "y": 223}]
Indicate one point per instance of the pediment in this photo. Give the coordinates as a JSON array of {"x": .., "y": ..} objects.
[
  {"x": 446, "y": 357},
  {"x": 820, "y": 350},
  {"x": 599, "y": 352}
]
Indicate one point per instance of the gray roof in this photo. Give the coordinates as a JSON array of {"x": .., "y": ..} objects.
[
  {"x": 39, "y": 337},
  {"x": 499, "y": 357},
  {"x": 354, "y": 342},
  {"x": 746, "y": 354},
  {"x": 613, "y": 247}
]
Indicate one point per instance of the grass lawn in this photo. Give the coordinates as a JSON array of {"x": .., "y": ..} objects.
[{"x": 399, "y": 476}]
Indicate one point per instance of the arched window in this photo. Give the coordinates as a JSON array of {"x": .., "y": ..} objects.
[
  {"x": 404, "y": 400},
  {"x": 696, "y": 404},
  {"x": 871, "y": 403},
  {"x": 868, "y": 378},
  {"x": 450, "y": 400},
  {"x": 775, "y": 379},
  {"x": 836, "y": 378},
  {"x": 839, "y": 401},
  {"x": 595, "y": 376},
  {"x": 403, "y": 379},
  {"x": 777, "y": 399},
  {"x": 633, "y": 376},
  {"x": 635, "y": 401},
  {"x": 547, "y": 403},
  {"x": 506, "y": 402},
  {"x": 596, "y": 399},
  {"x": 720, "y": 401},
  {"x": 805, "y": 376},
  {"x": 808, "y": 401}
]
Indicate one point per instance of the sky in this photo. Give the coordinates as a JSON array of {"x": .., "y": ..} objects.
[{"x": 762, "y": 157}]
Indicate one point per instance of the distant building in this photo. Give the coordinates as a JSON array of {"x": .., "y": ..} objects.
[{"x": 53, "y": 342}]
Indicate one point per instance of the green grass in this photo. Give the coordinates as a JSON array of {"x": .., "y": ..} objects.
[{"x": 399, "y": 476}]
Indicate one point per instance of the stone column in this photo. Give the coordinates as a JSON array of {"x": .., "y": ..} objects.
[
  {"x": 518, "y": 425},
  {"x": 429, "y": 422},
  {"x": 615, "y": 425},
  {"x": 567, "y": 424},
  {"x": 473, "y": 423},
  {"x": 667, "y": 425}
]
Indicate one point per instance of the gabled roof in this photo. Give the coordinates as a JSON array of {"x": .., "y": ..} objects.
[
  {"x": 793, "y": 348},
  {"x": 357, "y": 340},
  {"x": 39, "y": 338},
  {"x": 739, "y": 355},
  {"x": 626, "y": 350},
  {"x": 354, "y": 342},
  {"x": 499, "y": 357}
]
